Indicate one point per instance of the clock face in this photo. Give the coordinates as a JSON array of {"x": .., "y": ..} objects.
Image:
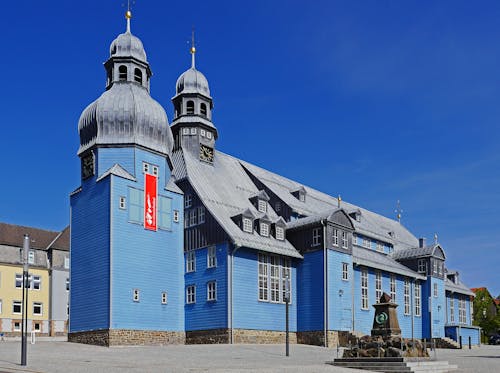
[
  {"x": 87, "y": 166},
  {"x": 206, "y": 154}
]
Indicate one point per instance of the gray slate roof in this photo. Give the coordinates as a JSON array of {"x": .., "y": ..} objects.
[
  {"x": 374, "y": 259},
  {"x": 416, "y": 252},
  {"x": 460, "y": 288},
  {"x": 225, "y": 189},
  {"x": 318, "y": 203}
]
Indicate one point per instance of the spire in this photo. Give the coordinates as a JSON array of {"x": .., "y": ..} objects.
[
  {"x": 193, "y": 50},
  {"x": 128, "y": 15}
]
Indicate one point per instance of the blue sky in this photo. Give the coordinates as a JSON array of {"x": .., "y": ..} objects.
[{"x": 373, "y": 100}]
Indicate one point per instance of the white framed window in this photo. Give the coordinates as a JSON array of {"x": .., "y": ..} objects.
[
  {"x": 16, "y": 306},
  {"x": 418, "y": 297},
  {"x": 211, "y": 257},
  {"x": 37, "y": 283},
  {"x": 136, "y": 295},
  {"x": 193, "y": 217},
  {"x": 471, "y": 304},
  {"x": 202, "y": 132},
  {"x": 335, "y": 240},
  {"x": 345, "y": 272},
  {"x": 262, "y": 205},
  {"x": 31, "y": 257},
  {"x": 122, "y": 203},
  {"x": 422, "y": 266},
  {"x": 364, "y": 289},
  {"x": 247, "y": 225},
  {"x": 452, "y": 310},
  {"x": 37, "y": 327},
  {"x": 280, "y": 233},
  {"x": 176, "y": 216},
  {"x": 188, "y": 201},
  {"x": 344, "y": 240},
  {"x": 17, "y": 326},
  {"x": 209, "y": 135},
  {"x": 19, "y": 280},
  {"x": 435, "y": 287},
  {"x": 462, "y": 313},
  {"x": 164, "y": 297},
  {"x": 145, "y": 168},
  {"x": 434, "y": 266},
  {"x": 185, "y": 131},
  {"x": 393, "y": 288},
  {"x": 201, "y": 214},
  {"x": 316, "y": 239},
  {"x": 264, "y": 229},
  {"x": 67, "y": 283},
  {"x": 407, "y": 296},
  {"x": 155, "y": 170},
  {"x": 366, "y": 242},
  {"x": 37, "y": 308},
  {"x": 354, "y": 239},
  {"x": 378, "y": 286},
  {"x": 190, "y": 261},
  {"x": 275, "y": 278},
  {"x": 191, "y": 294},
  {"x": 211, "y": 291},
  {"x": 193, "y": 131},
  {"x": 380, "y": 247},
  {"x": 263, "y": 286}
]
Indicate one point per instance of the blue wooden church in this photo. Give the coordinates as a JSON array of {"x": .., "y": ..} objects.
[{"x": 174, "y": 241}]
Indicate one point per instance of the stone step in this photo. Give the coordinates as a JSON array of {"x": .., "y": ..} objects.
[{"x": 394, "y": 365}]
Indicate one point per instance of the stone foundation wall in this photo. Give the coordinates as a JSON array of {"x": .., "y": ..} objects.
[
  {"x": 210, "y": 336},
  {"x": 123, "y": 337},
  {"x": 317, "y": 338},
  {"x": 261, "y": 336}
]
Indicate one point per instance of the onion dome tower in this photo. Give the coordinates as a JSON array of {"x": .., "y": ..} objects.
[
  {"x": 192, "y": 127},
  {"x": 126, "y": 114}
]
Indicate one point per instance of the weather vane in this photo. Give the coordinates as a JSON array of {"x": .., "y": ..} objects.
[
  {"x": 398, "y": 211},
  {"x": 193, "y": 48}
]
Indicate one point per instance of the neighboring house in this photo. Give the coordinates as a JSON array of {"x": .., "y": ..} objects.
[
  {"x": 41, "y": 280},
  {"x": 486, "y": 312},
  {"x": 209, "y": 251}
]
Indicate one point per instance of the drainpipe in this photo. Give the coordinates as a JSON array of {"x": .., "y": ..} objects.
[
  {"x": 413, "y": 306},
  {"x": 230, "y": 290},
  {"x": 325, "y": 285},
  {"x": 352, "y": 297}
]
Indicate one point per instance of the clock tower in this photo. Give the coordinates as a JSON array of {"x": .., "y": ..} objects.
[{"x": 192, "y": 126}]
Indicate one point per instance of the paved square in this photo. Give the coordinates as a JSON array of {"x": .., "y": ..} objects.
[{"x": 70, "y": 357}]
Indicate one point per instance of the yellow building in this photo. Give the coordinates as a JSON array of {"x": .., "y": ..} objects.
[{"x": 11, "y": 271}]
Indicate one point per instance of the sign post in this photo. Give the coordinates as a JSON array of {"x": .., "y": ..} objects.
[
  {"x": 24, "y": 304},
  {"x": 287, "y": 302}
]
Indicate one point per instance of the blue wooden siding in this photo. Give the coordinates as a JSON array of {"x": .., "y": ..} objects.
[
  {"x": 339, "y": 292},
  {"x": 435, "y": 320},
  {"x": 206, "y": 314},
  {"x": 310, "y": 307},
  {"x": 248, "y": 311},
  {"x": 149, "y": 261},
  {"x": 108, "y": 157},
  {"x": 90, "y": 229}
]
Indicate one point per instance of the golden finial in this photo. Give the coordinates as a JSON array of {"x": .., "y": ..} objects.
[
  {"x": 339, "y": 199},
  {"x": 193, "y": 49},
  {"x": 128, "y": 14}
]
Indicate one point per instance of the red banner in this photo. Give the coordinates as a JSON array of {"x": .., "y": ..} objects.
[{"x": 150, "y": 198}]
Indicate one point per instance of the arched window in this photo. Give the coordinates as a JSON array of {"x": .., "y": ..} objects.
[
  {"x": 190, "y": 107},
  {"x": 138, "y": 75},
  {"x": 203, "y": 109},
  {"x": 122, "y": 72}
]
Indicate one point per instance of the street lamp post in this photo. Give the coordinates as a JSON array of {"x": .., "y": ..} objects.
[
  {"x": 287, "y": 302},
  {"x": 24, "y": 304}
]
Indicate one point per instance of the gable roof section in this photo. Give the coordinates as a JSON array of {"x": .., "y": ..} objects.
[
  {"x": 225, "y": 189},
  {"x": 318, "y": 203},
  {"x": 116, "y": 170},
  {"x": 373, "y": 259},
  {"x": 457, "y": 288},
  {"x": 434, "y": 250},
  {"x": 13, "y": 235},
  {"x": 338, "y": 216}
]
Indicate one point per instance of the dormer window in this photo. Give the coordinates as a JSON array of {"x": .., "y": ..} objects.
[
  {"x": 262, "y": 205},
  {"x": 203, "y": 109},
  {"x": 264, "y": 229},
  {"x": 302, "y": 197},
  {"x": 190, "y": 107},
  {"x": 122, "y": 72},
  {"x": 300, "y": 194},
  {"x": 280, "y": 233},
  {"x": 138, "y": 75},
  {"x": 247, "y": 225}
]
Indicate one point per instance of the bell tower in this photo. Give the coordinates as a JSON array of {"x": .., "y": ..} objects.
[{"x": 192, "y": 127}]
